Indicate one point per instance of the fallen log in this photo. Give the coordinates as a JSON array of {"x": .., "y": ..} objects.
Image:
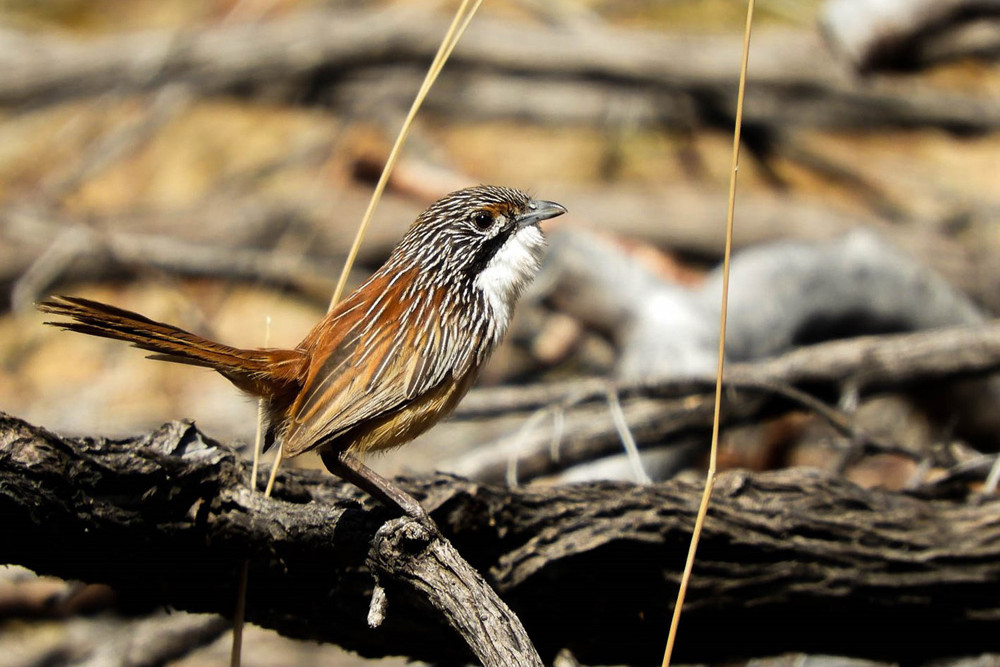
[{"x": 794, "y": 560}]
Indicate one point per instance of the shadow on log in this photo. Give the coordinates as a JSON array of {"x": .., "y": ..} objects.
[{"x": 790, "y": 561}]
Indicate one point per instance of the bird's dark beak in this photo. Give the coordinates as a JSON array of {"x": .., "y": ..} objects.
[{"x": 539, "y": 210}]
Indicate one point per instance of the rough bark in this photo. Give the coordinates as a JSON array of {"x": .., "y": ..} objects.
[
  {"x": 178, "y": 480},
  {"x": 405, "y": 551},
  {"x": 793, "y": 560}
]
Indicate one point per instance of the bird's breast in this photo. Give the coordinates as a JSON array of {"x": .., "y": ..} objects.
[{"x": 506, "y": 275}]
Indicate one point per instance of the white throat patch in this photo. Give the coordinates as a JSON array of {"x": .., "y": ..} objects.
[{"x": 508, "y": 272}]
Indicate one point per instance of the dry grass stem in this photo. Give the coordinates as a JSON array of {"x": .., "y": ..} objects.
[
  {"x": 458, "y": 25},
  {"x": 713, "y": 455},
  {"x": 239, "y": 616}
]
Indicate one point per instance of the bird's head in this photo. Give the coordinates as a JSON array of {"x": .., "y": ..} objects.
[{"x": 485, "y": 238}]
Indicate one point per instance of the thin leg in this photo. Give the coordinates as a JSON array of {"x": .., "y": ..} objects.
[{"x": 350, "y": 469}]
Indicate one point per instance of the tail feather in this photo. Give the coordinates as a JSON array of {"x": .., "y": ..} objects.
[{"x": 263, "y": 372}]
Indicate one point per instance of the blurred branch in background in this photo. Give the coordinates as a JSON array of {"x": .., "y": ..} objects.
[
  {"x": 678, "y": 409},
  {"x": 793, "y": 81},
  {"x": 911, "y": 34}
]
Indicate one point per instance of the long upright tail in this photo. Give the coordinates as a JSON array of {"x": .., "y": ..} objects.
[{"x": 262, "y": 372}]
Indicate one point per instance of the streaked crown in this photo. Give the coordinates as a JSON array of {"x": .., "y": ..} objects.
[{"x": 472, "y": 230}]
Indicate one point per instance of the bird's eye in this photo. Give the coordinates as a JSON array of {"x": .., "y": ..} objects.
[{"x": 482, "y": 219}]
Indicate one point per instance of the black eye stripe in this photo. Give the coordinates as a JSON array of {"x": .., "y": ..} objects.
[
  {"x": 489, "y": 248},
  {"x": 485, "y": 253}
]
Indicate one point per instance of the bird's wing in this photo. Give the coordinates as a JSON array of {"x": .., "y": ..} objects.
[{"x": 373, "y": 365}]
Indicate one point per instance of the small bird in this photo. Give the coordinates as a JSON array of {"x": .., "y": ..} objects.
[{"x": 390, "y": 360}]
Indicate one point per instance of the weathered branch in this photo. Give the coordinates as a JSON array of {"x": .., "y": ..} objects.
[
  {"x": 795, "y": 560},
  {"x": 403, "y": 552}
]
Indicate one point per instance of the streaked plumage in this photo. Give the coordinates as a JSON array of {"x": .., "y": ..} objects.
[{"x": 393, "y": 357}]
